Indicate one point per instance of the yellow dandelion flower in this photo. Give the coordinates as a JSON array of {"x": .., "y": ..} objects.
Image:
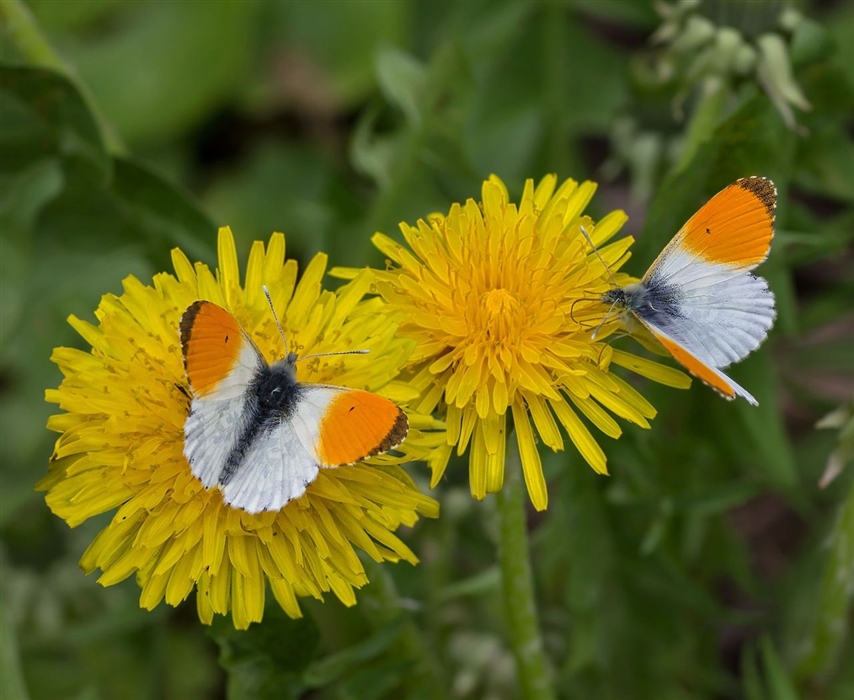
[
  {"x": 121, "y": 445},
  {"x": 502, "y": 301}
]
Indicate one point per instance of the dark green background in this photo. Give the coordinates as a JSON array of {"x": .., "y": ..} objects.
[{"x": 709, "y": 565}]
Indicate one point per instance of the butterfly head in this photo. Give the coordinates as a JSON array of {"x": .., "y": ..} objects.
[
  {"x": 621, "y": 297},
  {"x": 275, "y": 388}
]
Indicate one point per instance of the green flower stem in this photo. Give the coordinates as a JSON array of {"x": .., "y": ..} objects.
[
  {"x": 518, "y": 584},
  {"x": 24, "y": 32}
]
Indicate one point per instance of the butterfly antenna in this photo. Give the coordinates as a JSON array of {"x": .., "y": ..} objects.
[
  {"x": 275, "y": 316},
  {"x": 602, "y": 322},
  {"x": 338, "y": 352},
  {"x": 607, "y": 269},
  {"x": 307, "y": 357},
  {"x": 581, "y": 300}
]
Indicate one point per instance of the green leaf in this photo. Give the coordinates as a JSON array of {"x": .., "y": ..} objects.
[
  {"x": 266, "y": 661},
  {"x": 379, "y": 680},
  {"x": 12, "y": 684},
  {"x": 751, "y": 678},
  {"x": 43, "y": 115},
  {"x": 402, "y": 78},
  {"x": 338, "y": 49},
  {"x": 162, "y": 213},
  {"x": 55, "y": 16},
  {"x": 840, "y": 25},
  {"x": 331, "y": 668},
  {"x": 764, "y": 423},
  {"x": 22, "y": 197},
  {"x": 371, "y": 153},
  {"x": 486, "y": 582},
  {"x": 713, "y": 499},
  {"x": 318, "y": 211},
  {"x": 165, "y": 70},
  {"x": 820, "y": 650},
  {"x": 778, "y": 681}
]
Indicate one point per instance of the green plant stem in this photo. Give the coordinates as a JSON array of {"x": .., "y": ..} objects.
[
  {"x": 21, "y": 27},
  {"x": 518, "y": 584},
  {"x": 23, "y": 30}
]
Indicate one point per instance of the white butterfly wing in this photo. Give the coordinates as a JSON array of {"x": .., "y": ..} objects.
[
  {"x": 718, "y": 312},
  {"x": 697, "y": 361},
  {"x": 699, "y": 297},
  {"x": 285, "y": 458},
  {"x": 256, "y": 433},
  {"x": 221, "y": 362},
  {"x": 276, "y": 469}
]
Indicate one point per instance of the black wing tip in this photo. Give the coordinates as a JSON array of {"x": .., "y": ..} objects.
[
  {"x": 395, "y": 436},
  {"x": 764, "y": 189},
  {"x": 187, "y": 320},
  {"x": 399, "y": 430}
]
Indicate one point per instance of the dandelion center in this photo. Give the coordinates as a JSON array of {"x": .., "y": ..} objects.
[{"x": 500, "y": 320}]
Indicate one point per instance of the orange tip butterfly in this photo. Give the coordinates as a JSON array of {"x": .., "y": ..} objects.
[
  {"x": 259, "y": 434},
  {"x": 699, "y": 298}
]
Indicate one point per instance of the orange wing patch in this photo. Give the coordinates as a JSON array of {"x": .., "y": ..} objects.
[
  {"x": 735, "y": 227},
  {"x": 211, "y": 339},
  {"x": 695, "y": 367},
  {"x": 359, "y": 424}
]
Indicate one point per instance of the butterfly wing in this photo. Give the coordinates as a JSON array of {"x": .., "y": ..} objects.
[
  {"x": 275, "y": 468},
  {"x": 722, "y": 317},
  {"x": 697, "y": 361},
  {"x": 258, "y": 434},
  {"x": 733, "y": 230},
  {"x": 351, "y": 424},
  {"x": 221, "y": 361},
  {"x": 329, "y": 426},
  {"x": 699, "y": 296}
]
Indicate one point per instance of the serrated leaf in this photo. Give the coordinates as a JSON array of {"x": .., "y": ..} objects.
[
  {"x": 329, "y": 669},
  {"x": 265, "y": 661},
  {"x": 377, "y": 680}
]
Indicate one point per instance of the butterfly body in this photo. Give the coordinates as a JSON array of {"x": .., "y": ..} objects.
[
  {"x": 699, "y": 298},
  {"x": 256, "y": 432}
]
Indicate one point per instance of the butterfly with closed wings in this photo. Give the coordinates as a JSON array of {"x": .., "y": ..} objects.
[{"x": 699, "y": 298}]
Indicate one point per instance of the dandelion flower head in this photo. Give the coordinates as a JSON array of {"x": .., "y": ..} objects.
[
  {"x": 502, "y": 301},
  {"x": 124, "y": 405}
]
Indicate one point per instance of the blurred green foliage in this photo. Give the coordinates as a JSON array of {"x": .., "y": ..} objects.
[{"x": 709, "y": 565}]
